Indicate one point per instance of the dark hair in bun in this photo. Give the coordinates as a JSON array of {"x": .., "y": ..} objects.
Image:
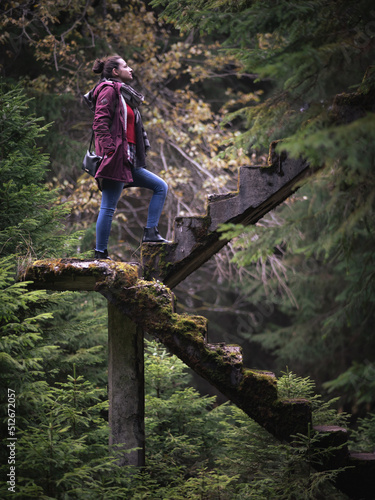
[{"x": 105, "y": 66}]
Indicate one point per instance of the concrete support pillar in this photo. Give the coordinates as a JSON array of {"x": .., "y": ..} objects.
[{"x": 126, "y": 386}]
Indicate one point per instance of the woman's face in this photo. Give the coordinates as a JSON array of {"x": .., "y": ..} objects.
[{"x": 123, "y": 72}]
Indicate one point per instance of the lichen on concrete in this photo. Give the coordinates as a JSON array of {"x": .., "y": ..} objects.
[
  {"x": 155, "y": 259},
  {"x": 65, "y": 272},
  {"x": 150, "y": 305}
]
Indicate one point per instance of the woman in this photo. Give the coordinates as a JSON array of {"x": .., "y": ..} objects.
[{"x": 122, "y": 142}]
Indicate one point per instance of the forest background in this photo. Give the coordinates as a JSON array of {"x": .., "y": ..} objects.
[{"x": 221, "y": 80}]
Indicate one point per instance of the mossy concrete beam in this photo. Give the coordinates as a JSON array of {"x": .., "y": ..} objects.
[
  {"x": 79, "y": 275},
  {"x": 136, "y": 305},
  {"x": 150, "y": 305}
]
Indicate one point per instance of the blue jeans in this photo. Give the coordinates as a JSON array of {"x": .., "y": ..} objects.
[{"x": 111, "y": 192}]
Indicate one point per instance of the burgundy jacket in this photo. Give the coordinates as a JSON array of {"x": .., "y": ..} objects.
[{"x": 109, "y": 128}]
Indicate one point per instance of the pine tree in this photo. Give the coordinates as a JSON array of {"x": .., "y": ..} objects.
[
  {"x": 31, "y": 222},
  {"x": 31, "y": 226},
  {"x": 196, "y": 449},
  {"x": 316, "y": 59}
]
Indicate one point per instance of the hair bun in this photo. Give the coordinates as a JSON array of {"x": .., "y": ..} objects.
[{"x": 98, "y": 66}]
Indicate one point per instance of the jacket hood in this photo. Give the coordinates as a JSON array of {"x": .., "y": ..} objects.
[
  {"x": 92, "y": 95},
  {"x": 89, "y": 98}
]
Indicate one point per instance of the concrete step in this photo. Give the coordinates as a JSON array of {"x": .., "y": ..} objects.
[
  {"x": 230, "y": 352},
  {"x": 358, "y": 479},
  {"x": 196, "y": 238},
  {"x": 335, "y": 438}
]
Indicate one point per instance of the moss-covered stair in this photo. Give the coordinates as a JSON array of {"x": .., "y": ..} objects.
[{"x": 150, "y": 305}]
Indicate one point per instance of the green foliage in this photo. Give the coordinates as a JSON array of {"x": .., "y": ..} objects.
[
  {"x": 195, "y": 449},
  {"x": 164, "y": 374},
  {"x": 363, "y": 438},
  {"x": 291, "y": 385},
  {"x": 56, "y": 441},
  {"x": 31, "y": 224},
  {"x": 21, "y": 322},
  {"x": 64, "y": 432},
  {"x": 270, "y": 470},
  {"x": 358, "y": 382},
  {"x": 316, "y": 58},
  {"x": 310, "y": 51},
  {"x": 80, "y": 330}
]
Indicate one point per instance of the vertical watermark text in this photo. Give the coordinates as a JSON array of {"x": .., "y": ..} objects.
[{"x": 12, "y": 439}]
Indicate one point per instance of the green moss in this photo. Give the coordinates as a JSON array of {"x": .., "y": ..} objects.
[
  {"x": 150, "y": 304},
  {"x": 261, "y": 375},
  {"x": 155, "y": 259},
  {"x": 105, "y": 273},
  {"x": 192, "y": 325},
  {"x": 259, "y": 391}
]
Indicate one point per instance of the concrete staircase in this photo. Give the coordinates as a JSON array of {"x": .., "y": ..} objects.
[
  {"x": 196, "y": 238},
  {"x": 151, "y": 306},
  {"x": 254, "y": 391},
  {"x": 148, "y": 303}
]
